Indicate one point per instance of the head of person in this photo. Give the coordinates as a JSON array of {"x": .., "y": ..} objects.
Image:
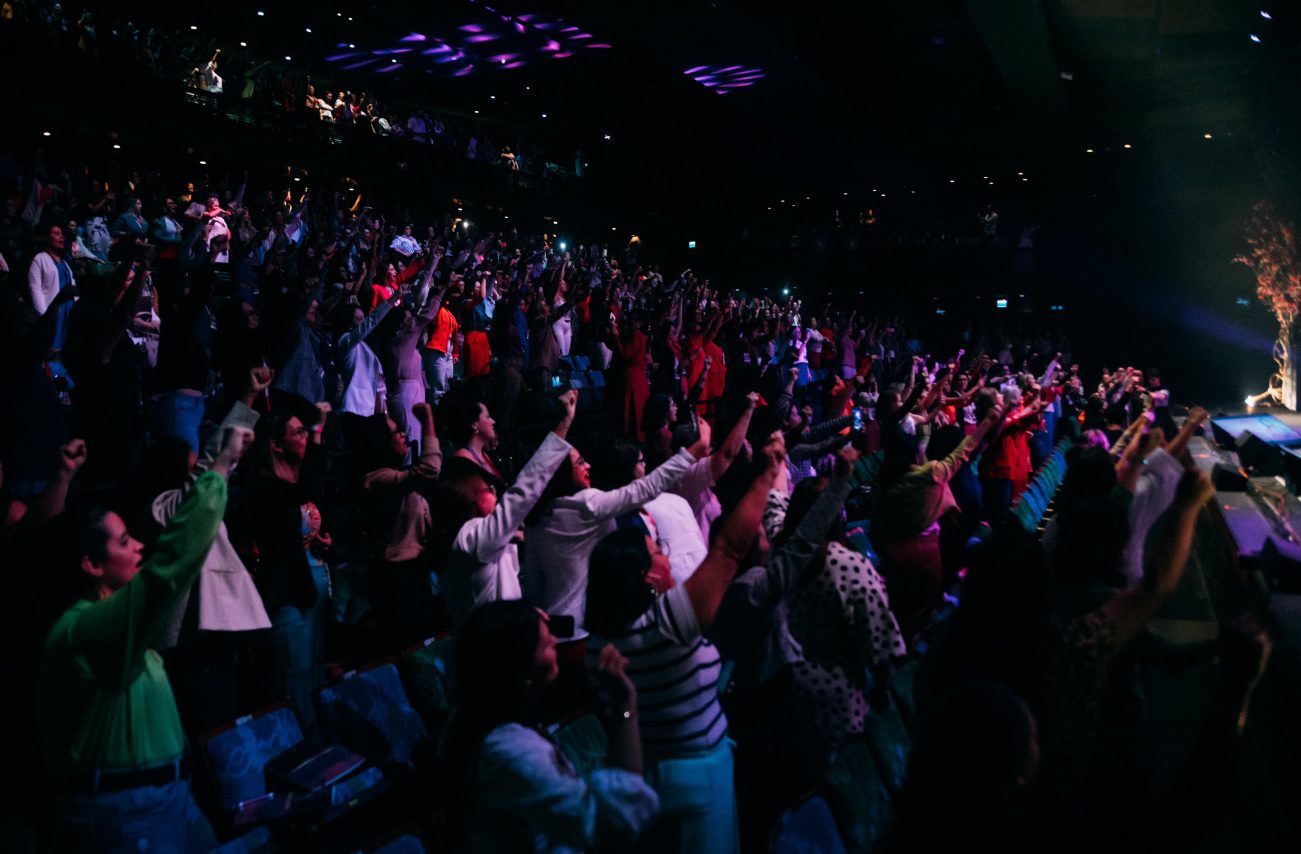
[
  {"x": 54, "y": 239},
  {"x": 573, "y": 475},
  {"x": 626, "y": 572},
  {"x": 1090, "y": 547},
  {"x": 97, "y": 557},
  {"x": 902, "y": 452},
  {"x": 621, "y": 464},
  {"x": 281, "y": 442},
  {"x": 660, "y": 411},
  {"x": 467, "y": 419},
  {"x": 505, "y": 657},
  {"x": 802, "y": 500}
]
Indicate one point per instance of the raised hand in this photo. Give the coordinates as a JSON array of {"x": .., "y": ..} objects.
[
  {"x": 72, "y": 457},
  {"x": 234, "y": 442},
  {"x": 846, "y": 458},
  {"x": 612, "y": 669},
  {"x": 260, "y": 379},
  {"x": 701, "y": 447}
]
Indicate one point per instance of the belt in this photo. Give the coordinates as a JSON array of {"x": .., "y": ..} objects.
[{"x": 131, "y": 778}]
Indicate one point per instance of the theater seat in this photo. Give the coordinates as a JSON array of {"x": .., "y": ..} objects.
[
  {"x": 858, "y": 795},
  {"x": 236, "y": 754},
  {"x": 807, "y": 828},
  {"x": 426, "y": 675},
  {"x": 368, "y": 711}
]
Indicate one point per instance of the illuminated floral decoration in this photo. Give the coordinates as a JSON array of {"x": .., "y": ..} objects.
[
  {"x": 496, "y": 41},
  {"x": 724, "y": 78},
  {"x": 1272, "y": 256}
]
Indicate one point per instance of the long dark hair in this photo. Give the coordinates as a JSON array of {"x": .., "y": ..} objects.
[
  {"x": 560, "y": 486},
  {"x": 617, "y": 591},
  {"x": 493, "y": 664},
  {"x": 77, "y": 533}
]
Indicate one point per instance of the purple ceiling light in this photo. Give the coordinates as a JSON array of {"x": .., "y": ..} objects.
[
  {"x": 512, "y": 41},
  {"x": 724, "y": 79}
]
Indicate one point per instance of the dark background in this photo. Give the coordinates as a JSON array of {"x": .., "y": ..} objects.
[{"x": 907, "y": 110}]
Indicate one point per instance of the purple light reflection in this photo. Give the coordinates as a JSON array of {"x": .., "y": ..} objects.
[{"x": 724, "y": 79}]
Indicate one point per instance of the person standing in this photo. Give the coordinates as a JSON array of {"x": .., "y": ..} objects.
[{"x": 109, "y": 723}]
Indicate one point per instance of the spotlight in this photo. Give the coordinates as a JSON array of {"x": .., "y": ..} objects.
[
  {"x": 492, "y": 97},
  {"x": 1206, "y": 136},
  {"x": 465, "y": 223},
  {"x": 203, "y": 163},
  {"x": 1000, "y": 303},
  {"x": 243, "y": 44},
  {"x": 1088, "y": 151},
  {"x": 1267, "y": 16},
  {"x": 289, "y": 59},
  {"x": 1020, "y": 173},
  {"x": 953, "y": 180},
  {"x": 296, "y": 178},
  {"x": 563, "y": 245},
  {"x": 116, "y": 146},
  {"x": 193, "y": 27},
  {"x": 394, "y": 61},
  {"x": 544, "y": 115},
  {"x": 261, "y": 14},
  {"x": 46, "y": 133},
  {"x": 308, "y": 29},
  {"x": 786, "y": 292},
  {"x": 608, "y": 137},
  {"x": 476, "y": 112},
  {"x": 352, "y": 47},
  {"x": 1127, "y": 146},
  {"x": 1255, "y": 38},
  {"x": 691, "y": 244}
]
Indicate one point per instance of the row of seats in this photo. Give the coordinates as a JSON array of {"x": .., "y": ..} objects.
[
  {"x": 377, "y": 724},
  {"x": 1032, "y": 505}
]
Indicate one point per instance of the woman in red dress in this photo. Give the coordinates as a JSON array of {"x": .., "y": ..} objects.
[{"x": 633, "y": 347}]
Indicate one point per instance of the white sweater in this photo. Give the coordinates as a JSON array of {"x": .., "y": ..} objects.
[
  {"x": 43, "y": 281},
  {"x": 483, "y": 565},
  {"x": 555, "y": 562}
]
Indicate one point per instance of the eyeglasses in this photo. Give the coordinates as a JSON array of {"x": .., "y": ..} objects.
[{"x": 296, "y": 432}]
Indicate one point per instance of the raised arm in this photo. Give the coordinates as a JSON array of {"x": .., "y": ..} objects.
[
  {"x": 486, "y": 537},
  {"x": 1130, "y": 610},
  {"x": 721, "y": 460},
  {"x": 604, "y": 505},
  {"x": 115, "y": 632},
  {"x": 944, "y": 470},
  {"x": 1196, "y": 418},
  {"x": 708, "y": 584},
  {"x": 786, "y": 561}
]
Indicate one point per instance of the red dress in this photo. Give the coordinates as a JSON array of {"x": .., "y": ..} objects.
[{"x": 636, "y": 385}]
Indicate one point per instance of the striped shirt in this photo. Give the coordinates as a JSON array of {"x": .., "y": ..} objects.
[{"x": 676, "y": 672}]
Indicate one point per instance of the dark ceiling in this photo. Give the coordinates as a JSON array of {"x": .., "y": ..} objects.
[{"x": 854, "y": 94}]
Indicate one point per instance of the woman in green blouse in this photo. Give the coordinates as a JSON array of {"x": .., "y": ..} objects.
[{"x": 109, "y": 726}]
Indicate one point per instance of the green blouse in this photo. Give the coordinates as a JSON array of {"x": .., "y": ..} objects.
[{"x": 105, "y": 700}]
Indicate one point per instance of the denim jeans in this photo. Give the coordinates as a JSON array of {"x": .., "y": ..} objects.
[
  {"x": 150, "y": 818},
  {"x": 698, "y": 801},
  {"x": 298, "y": 637},
  {"x": 438, "y": 371}
]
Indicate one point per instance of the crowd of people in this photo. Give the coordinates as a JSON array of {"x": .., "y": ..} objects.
[{"x": 408, "y": 413}]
